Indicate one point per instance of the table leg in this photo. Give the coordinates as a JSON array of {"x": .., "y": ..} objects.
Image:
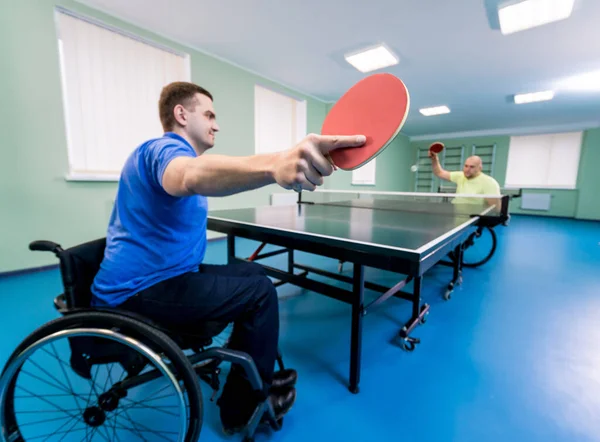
[
  {"x": 356, "y": 337},
  {"x": 419, "y": 314},
  {"x": 290, "y": 261},
  {"x": 456, "y": 271},
  {"x": 230, "y": 249}
]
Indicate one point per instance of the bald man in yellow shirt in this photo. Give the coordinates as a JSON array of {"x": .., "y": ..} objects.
[{"x": 471, "y": 180}]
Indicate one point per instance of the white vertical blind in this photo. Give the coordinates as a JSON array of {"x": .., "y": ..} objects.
[
  {"x": 548, "y": 161},
  {"x": 365, "y": 174},
  {"x": 279, "y": 120},
  {"x": 111, "y": 85},
  {"x": 563, "y": 163}
]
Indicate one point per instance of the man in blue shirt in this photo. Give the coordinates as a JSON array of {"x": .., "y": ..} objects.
[{"x": 156, "y": 239}]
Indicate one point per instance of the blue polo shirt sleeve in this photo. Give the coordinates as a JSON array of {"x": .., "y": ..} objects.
[{"x": 160, "y": 155}]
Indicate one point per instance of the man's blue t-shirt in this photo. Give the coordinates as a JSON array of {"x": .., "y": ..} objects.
[{"x": 152, "y": 236}]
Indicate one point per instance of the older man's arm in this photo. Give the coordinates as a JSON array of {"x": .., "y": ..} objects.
[
  {"x": 493, "y": 188},
  {"x": 437, "y": 168}
]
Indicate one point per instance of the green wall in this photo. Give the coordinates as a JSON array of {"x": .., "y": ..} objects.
[
  {"x": 35, "y": 200},
  {"x": 588, "y": 180},
  {"x": 583, "y": 202}
]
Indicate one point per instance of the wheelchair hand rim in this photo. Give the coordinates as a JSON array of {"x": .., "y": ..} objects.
[{"x": 93, "y": 332}]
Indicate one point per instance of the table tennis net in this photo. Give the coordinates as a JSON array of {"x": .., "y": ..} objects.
[{"x": 440, "y": 203}]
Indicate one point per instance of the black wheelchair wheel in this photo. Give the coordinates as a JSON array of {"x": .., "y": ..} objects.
[
  {"x": 479, "y": 247},
  {"x": 80, "y": 346}
]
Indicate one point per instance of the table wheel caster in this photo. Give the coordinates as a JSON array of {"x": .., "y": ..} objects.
[
  {"x": 448, "y": 292},
  {"x": 409, "y": 344}
]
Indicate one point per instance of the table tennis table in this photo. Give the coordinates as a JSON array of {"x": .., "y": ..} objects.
[{"x": 403, "y": 232}]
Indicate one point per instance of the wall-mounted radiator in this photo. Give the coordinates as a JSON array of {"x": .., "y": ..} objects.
[{"x": 536, "y": 201}]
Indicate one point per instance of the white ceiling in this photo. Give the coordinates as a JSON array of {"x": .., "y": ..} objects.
[{"x": 451, "y": 52}]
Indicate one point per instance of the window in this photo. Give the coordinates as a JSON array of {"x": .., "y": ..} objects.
[
  {"x": 279, "y": 120},
  {"x": 111, "y": 83},
  {"x": 365, "y": 174},
  {"x": 546, "y": 161}
]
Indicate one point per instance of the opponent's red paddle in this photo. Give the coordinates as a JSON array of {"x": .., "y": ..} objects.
[
  {"x": 436, "y": 147},
  {"x": 377, "y": 107}
]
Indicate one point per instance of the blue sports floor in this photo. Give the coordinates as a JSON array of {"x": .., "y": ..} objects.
[{"x": 513, "y": 356}]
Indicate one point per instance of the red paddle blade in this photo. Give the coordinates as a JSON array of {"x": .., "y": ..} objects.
[
  {"x": 377, "y": 107},
  {"x": 436, "y": 147}
]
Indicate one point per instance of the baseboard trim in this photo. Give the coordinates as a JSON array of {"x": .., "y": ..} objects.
[
  {"x": 28, "y": 270},
  {"x": 217, "y": 238},
  {"x": 550, "y": 215}
]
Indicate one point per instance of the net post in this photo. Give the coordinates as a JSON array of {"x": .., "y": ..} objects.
[{"x": 504, "y": 205}]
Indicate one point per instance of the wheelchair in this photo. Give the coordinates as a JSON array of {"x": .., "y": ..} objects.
[
  {"x": 481, "y": 244},
  {"x": 142, "y": 379},
  {"x": 487, "y": 240}
]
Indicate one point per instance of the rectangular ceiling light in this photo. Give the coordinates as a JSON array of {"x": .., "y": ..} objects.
[
  {"x": 437, "y": 110},
  {"x": 371, "y": 59},
  {"x": 528, "y": 14},
  {"x": 533, "y": 97}
]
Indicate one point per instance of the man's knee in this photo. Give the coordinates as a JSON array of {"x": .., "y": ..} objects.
[
  {"x": 255, "y": 269},
  {"x": 266, "y": 293}
]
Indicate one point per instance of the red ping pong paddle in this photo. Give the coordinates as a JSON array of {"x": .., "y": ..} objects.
[
  {"x": 377, "y": 107},
  {"x": 436, "y": 147}
]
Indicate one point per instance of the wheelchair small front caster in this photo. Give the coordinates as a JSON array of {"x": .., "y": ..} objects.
[{"x": 278, "y": 424}]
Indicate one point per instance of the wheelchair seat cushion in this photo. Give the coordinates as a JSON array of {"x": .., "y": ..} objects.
[{"x": 185, "y": 337}]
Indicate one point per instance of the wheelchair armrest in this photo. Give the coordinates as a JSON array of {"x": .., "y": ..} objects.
[{"x": 45, "y": 246}]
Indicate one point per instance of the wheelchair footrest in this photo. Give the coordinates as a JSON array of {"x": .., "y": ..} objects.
[{"x": 263, "y": 418}]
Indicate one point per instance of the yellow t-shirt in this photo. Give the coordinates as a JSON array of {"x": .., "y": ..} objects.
[{"x": 480, "y": 185}]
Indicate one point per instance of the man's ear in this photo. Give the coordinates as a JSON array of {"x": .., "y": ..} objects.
[{"x": 180, "y": 115}]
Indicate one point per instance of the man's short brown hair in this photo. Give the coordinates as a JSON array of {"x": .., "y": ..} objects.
[{"x": 179, "y": 92}]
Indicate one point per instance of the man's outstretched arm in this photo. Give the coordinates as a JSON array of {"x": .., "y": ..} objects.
[{"x": 304, "y": 166}]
